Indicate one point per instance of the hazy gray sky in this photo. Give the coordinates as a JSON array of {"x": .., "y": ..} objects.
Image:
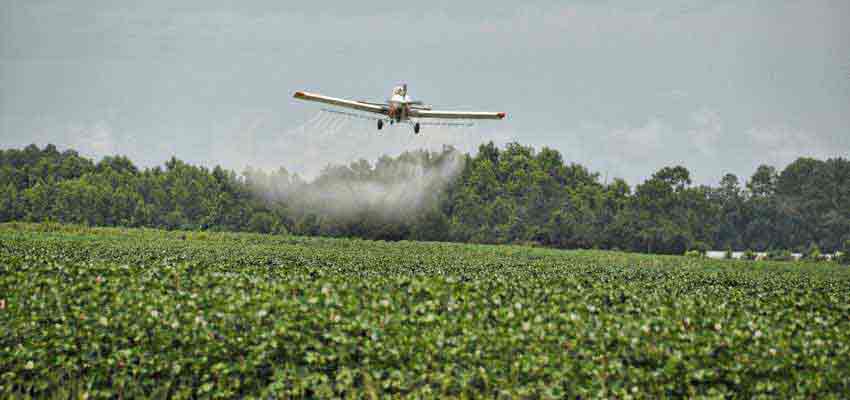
[{"x": 717, "y": 86}]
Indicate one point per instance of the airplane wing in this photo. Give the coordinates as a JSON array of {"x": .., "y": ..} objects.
[
  {"x": 356, "y": 105},
  {"x": 414, "y": 113}
]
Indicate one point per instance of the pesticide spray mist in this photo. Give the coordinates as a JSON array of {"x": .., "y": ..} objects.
[
  {"x": 326, "y": 171},
  {"x": 393, "y": 189}
]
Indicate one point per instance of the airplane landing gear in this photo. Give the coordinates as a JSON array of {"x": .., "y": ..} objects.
[
  {"x": 380, "y": 124},
  {"x": 416, "y": 128}
]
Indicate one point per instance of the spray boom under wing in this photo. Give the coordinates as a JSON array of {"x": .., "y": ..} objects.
[{"x": 400, "y": 108}]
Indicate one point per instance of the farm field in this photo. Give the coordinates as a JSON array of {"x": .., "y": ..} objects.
[{"x": 109, "y": 312}]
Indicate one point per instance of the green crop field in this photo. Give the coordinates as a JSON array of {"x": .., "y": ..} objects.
[{"x": 146, "y": 313}]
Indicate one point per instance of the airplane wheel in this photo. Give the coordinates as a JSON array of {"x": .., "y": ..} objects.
[
  {"x": 380, "y": 124},
  {"x": 416, "y": 128}
]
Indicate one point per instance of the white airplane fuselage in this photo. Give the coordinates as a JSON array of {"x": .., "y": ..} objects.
[
  {"x": 399, "y": 108},
  {"x": 399, "y": 104}
]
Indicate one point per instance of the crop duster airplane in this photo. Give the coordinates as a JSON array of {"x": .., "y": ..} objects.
[{"x": 400, "y": 108}]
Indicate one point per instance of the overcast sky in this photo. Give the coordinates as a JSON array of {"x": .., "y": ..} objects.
[{"x": 716, "y": 86}]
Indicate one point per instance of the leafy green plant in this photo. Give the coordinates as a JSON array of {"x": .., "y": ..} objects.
[{"x": 129, "y": 313}]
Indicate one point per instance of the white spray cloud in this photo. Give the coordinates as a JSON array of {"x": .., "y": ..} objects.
[
  {"x": 392, "y": 188},
  {"x": 254, "y": 140},
  {"x": 332, "y": 150}
]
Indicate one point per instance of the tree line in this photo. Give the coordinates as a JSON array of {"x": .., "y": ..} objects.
[{"x": 513, "y": 194}]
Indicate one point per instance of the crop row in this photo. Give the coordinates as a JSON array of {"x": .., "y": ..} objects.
[{"x": 151, "y": 314}]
